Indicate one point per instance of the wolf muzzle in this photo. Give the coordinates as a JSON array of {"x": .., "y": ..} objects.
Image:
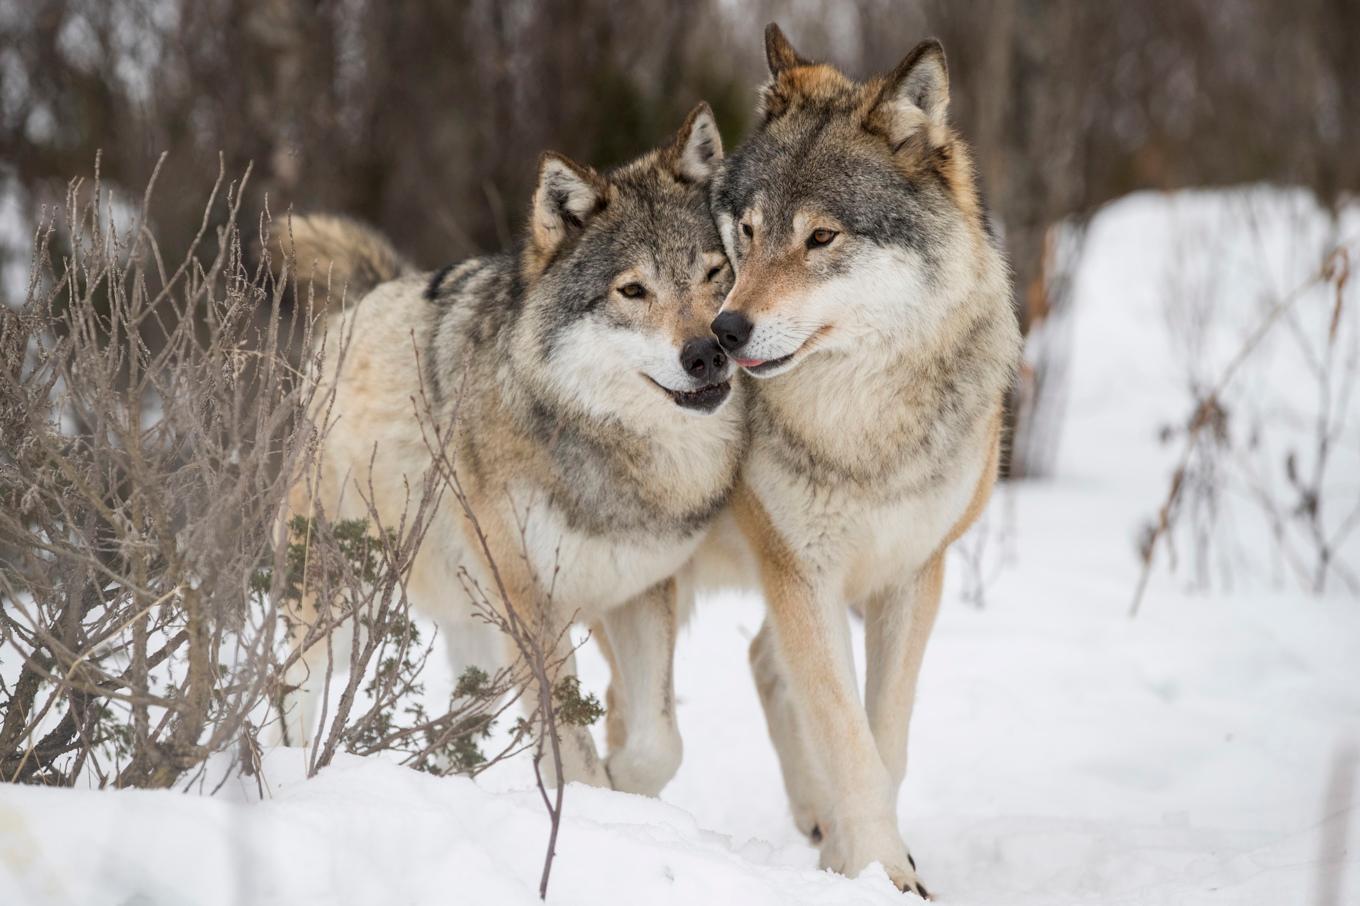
[
  {"x": 703, "y": 359},
  {"x": 733, "y": 329}
]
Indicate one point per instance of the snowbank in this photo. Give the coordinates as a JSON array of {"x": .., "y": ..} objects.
[{"x": 366, "y": 832}]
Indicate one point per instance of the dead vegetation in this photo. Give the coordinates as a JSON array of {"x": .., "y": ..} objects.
[
  {"x": 1281, "y": 462},
  {"x": 154, "y": 415}
]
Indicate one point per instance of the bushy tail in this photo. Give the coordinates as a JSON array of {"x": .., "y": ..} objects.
[{"x": 341, "y": 257}]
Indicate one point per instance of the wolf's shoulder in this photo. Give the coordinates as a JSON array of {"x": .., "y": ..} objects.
[{"x": 474, "y": 278}]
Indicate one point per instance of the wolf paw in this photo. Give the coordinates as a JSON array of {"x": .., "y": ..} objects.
[
  {"x": 580, "y": 763},
  {"x": 644, "y": 768},
  {"x": 912, "y": 884},
  {"x": 848, "y": 850}
]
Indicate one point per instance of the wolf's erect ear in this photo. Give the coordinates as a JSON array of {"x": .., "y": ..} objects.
[
  {"x": 567, "y": 196},
  {"x": 697, "y": 149},
  {"x": 779, "y": 53},
  {"x": 915, "y": 96}
]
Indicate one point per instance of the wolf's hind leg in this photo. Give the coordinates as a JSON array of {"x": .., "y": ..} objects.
[
  {"x": 638, "y": 639},
  {"x": 300, "y": 703},
  {"x": 897, "y": 625},
  {"x": 807, "y": 796}
]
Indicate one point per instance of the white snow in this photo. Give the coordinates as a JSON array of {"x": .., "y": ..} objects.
[{"x": 1205, "y": 751}]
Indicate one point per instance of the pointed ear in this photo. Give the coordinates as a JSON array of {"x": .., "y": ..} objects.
[
  {"x": 697, "y": 149},
  {"x": 779, "y": 53},
  {"x": 915, "y": 96},
  {"x": 568, "y": 195}
]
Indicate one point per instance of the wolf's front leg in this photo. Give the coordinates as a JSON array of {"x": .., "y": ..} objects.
[
  {"x": 499, "y": 550},
  {"x": 580, "y": 761},
  {"x": 811, "y": 628},
  {"x": 639, "y": 641}
]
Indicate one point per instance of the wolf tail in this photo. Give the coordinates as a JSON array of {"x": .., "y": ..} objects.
[{"x": 341, "y": 256}]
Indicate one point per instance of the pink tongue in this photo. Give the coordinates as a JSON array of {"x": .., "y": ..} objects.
[{"x": 750, "y": 363}]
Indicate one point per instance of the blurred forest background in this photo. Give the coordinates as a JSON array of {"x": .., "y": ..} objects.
[{"x": 425, "y": 117}]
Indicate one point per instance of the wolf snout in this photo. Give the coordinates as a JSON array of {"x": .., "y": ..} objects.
[
  {"x": 733, "y": 329},
  {"x": 704, "y": 360}
]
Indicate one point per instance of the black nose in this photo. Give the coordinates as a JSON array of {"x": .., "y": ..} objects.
[
  {"x": 703, "y": 360},
  {"x": 732, "y": 329}
]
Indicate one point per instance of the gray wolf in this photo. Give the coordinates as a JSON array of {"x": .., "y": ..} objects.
[
  {"x": 872, "y": 307},
  {"x": 598, "y": 428}
]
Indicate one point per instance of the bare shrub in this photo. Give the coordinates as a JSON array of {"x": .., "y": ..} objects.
[
  {"x": 352, "y": 572},
  {"x": 154, "y": 416},
  {"x": 1282, "y": 460},
  {"x": 150, "y": 429}
]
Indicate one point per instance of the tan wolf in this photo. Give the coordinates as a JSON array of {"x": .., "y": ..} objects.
[
  {"x": 873, "y": 306},
  {"x": 598, "y": 430}
]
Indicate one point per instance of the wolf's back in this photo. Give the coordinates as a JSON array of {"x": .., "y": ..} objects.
[{"x": 337, "y": 252}]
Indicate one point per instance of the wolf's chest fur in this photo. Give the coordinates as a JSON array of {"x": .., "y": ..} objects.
[
  {"x": 604, "y": 481},
  {"x": 601, "y": 522},
  {"x": 590, "y": 572},
  {"x": 864, "y": 465}
]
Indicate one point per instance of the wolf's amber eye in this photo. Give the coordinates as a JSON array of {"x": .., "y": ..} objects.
[
  {"x": 633, "y": 290},
  {"x": 820, "y": 238},
  {"x": 746, "y": 228},
  {"x": 714, "y": 271}
]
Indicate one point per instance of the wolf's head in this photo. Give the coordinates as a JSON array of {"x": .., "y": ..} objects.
[
  {"x": 851, "y": 215},
  {"x": 624, "y": 271}
]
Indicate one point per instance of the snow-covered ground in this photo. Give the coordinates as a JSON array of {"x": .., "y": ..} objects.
[{"x": 1062, "y": 753}]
